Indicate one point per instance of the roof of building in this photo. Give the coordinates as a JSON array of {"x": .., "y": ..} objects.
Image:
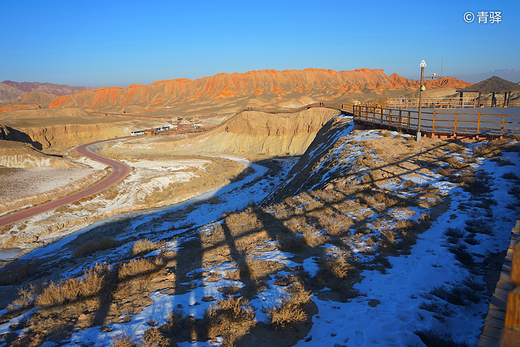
[{"x": 493, "y": 84}]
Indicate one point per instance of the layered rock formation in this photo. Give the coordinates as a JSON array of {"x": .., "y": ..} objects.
[
  {"x": 15, "y": 154},
  {"x": 319, "y": 84},
  {"x": 44, "y": 128}
]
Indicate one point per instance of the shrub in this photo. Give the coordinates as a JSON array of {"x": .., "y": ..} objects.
[
  {"x": 291, "y": 310},
  {"x": 511, "y": 176},
  {"x": 454, "y": 232},
  {"x": 457, "y": 294},
  {"x": 439, "y": 310},
  {"x": 338, "y": 266},
  {"x": 124, "y": 340},
  {"x": 478, "y": 225},
  {"x": 431, "y": 338},
  {"x": 230, "y": 318},
  {"x": 462, "y": 255}
]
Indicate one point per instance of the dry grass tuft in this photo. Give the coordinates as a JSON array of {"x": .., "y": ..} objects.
[
  {"x": 292, "y": 309},
  {"x": 141, "y": 266},
  {"x": 72, "y": 289},
  {"x": 230, "y": 318},
  {"x": 239, "y": 223},
  {"x": 145, "y": 246},
  {"x": 337, "y": 265},
  {"x": 93, "y": 246},
  {"x": 124, "y": 340}
]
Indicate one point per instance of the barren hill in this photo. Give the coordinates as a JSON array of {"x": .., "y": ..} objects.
[
  {"x": 247, "y": 133},
  {"x": 266, "y": 85},
  {"x": 46, "y": 128}
]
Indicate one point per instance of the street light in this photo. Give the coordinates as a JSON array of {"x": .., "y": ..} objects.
[{"x": 422, "y": 65}]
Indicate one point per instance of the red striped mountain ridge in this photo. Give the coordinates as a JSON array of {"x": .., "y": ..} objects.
[{"x": 272, "y": 85}]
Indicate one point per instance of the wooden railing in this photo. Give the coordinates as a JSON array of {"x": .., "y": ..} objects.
[
  {"x": 480, "y": 123},
  {"x": 511, "y": 333},
  {"x": 440, "y": 102}
]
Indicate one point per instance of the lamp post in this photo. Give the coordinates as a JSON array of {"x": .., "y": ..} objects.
[{"x": 422, "y": 65}]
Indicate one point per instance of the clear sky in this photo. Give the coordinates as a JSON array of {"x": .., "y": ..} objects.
[{"x": 116, "y": 43}]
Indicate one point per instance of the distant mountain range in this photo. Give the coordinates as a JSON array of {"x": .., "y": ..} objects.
[
  {"x": 11, "y": 91},
  {"x": 269, "y": 85},
  {"x": 512, "y": 75}
]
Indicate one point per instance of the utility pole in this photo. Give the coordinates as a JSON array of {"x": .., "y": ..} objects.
[{"x": 422, "y": 65}]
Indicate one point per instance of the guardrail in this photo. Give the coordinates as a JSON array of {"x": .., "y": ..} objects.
[
  {"x": 439, "y": 122},
  {"x": 511, "y": 333}
]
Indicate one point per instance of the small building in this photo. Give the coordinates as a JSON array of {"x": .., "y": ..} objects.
[{"x": 151, "y": 132}]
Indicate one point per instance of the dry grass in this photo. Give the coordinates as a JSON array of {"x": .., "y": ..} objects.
[
  {"x": 93, "y": 246},
  {"x": 124, "y": 340},
  {"x": 239, "y": 223},
  {"x": 13, "y": 276},
  {"x": 72, "y": 289},
  {"x": 292, "y": 309},
  {"x": 230, "y": 318},
  {"x": 140, "y": 266},
  {"x": 145, "y": 246}
]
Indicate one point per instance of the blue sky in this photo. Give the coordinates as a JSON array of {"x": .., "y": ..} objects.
[{"x": 116, "y": 43}]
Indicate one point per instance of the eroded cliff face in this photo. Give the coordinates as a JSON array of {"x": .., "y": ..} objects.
[
  {"x": 247, "y": 133},
  {"x": 15, "y": 154},
  {"x": 44, "y": 128},
  {"x": 275, "y": 85}
]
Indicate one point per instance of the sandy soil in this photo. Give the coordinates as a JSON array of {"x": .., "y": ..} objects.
[{"x": 17, "y": 183}]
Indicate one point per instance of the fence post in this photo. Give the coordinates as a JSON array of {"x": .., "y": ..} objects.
[
  {"x": 455, "y": 125},
  {"x": 408, "y": 123},
  {"x": 478, "y": 122},
  {"x": 400, "y": 119},
  {"x": 502, "y": 129},
  {"x": 381, "y": 115},
  {"x": 373, "y": 114},
  {"x": 433, "y": 123}
]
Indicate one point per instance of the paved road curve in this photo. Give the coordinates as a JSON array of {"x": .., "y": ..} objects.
[{"x": 119, "y": 171}]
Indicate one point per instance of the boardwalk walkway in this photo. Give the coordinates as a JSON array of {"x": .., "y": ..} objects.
[{"x": 461, "y": 122}]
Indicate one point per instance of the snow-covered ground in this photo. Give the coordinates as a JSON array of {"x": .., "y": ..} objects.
[{"x": 390, "y": 307}]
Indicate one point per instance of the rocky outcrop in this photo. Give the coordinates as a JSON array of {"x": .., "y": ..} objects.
[
  {"x": 16, "y": 154},
  {"x": 319, "y": 84}
]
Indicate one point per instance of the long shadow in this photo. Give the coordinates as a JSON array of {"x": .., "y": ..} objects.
[
  {"x": 190, "y": 256},
  {"x": 17, "y": 135}
]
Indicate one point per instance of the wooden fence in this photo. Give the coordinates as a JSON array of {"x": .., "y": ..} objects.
[
  {"x": 439, "y": 102},
  {"x": 502, "y": 324},
  {"x": 439, "y": 122}
]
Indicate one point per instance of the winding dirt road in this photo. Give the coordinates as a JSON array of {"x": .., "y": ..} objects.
[{"x": 119, "y": 171}]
